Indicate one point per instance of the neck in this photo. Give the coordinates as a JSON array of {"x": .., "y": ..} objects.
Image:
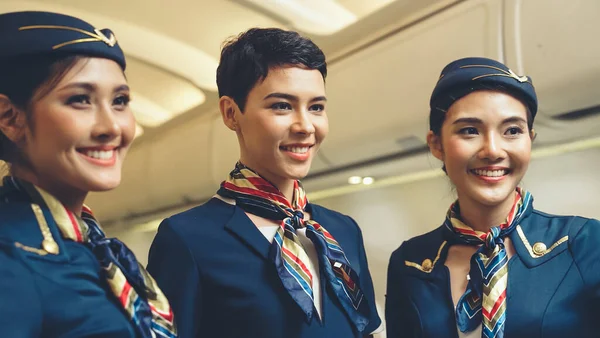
[
  {"x": 70, "y": 197},
  {"x": 284, "y": 184},
  {"x": 482, "y": 217},
  {"x": 286, "y": 187}
]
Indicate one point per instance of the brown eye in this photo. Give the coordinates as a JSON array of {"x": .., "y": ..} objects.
[
  {"x": 514, "y": 131},
  {"x": 317, "y": 107},
  {"x": 78, "y": 100},
  {"x": 122, "y": 100},
  {"x": 281, "y": 106},
  {"x": 468, "y": 131}
]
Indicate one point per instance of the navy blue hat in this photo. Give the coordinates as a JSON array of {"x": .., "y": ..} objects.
[
  {"x": 467, "y": 75},
  {"x": 34, "y": 33}
]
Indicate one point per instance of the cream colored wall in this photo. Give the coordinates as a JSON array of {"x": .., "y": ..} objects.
[{"x": 563, "y": 184}]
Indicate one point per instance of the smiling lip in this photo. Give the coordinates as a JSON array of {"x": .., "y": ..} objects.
[
  {"x": 297, "y": 151},
  {"x": 104, "y": 156},
  {"x": 490, "y": 174}
]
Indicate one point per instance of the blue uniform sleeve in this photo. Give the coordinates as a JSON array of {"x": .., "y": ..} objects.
[
  {"x": 172, "y": 265},
  {"x": 20, "y": 304},
  {"x": 397, "y": 303},
  {"x": 585, "y": 248},
  {"x": 366, "y": 284}
]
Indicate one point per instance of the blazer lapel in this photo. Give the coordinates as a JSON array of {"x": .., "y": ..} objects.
[{"x": 242, "y": 227}]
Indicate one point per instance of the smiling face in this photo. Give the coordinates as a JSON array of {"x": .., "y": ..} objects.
[
  {"x": 79, "y": 132},
  {"x": 485, "y": 145},
  {"x": 282, "y": 125}
]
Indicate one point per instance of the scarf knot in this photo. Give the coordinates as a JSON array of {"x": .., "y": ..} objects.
[
  {"x": 297, "y": 219},
  {"x": 493, "y": 238}
]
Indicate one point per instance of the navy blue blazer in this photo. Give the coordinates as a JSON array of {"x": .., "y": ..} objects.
[
  {"x": 553, "y": 282},
  {"x": 212, "y": 264},
  {"x": 47, "y": 295}
]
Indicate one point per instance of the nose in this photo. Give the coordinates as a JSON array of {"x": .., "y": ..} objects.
[
  {"x": 106, "y": 125},
  {"x": 492, "y": 149},
  {"x": 303, "y": 124}
]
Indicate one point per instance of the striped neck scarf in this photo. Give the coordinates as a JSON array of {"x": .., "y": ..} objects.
[
  {"x": 257, "y": 196},
  {"x": 132, "y": 286},
  {"x": 484, "y": 300}
]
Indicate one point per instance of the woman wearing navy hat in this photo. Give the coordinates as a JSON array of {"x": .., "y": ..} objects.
[
  {"x": 496, "y": 267},
  {"x": 65, "y": 128}
]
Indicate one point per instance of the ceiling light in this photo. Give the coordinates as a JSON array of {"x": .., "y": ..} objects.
[
  {"x": 321, "y": 17},
  {"x": 368, "y": 180},
  {"x": 354, "y": 180}
]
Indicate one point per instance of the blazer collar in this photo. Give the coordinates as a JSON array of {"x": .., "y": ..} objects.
[{"x": 240, "y": 225}]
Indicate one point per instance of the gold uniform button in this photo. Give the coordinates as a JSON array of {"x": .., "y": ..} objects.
[
  {"x": 50, "y": 246},
  {"x": 539, "y": 249},
  {"x": 427, "y": 265}
]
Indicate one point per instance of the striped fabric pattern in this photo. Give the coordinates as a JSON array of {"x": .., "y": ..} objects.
[
  {"x": 257, "y": 196},
  {"x": 484, "y": 301},
  {"x": 136, "y": 291}
]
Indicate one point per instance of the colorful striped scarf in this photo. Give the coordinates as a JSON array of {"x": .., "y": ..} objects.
[
  {"x": 134, "y": 289},
  {"x": 484, "y": 301},
  {"x": 257, "y": 196}
]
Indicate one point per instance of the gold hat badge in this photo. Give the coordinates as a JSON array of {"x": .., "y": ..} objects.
[
  {"x": 97, "y": 35},
  {"x": 503, "y": 72}
]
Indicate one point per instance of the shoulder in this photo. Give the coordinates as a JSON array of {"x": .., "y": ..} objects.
[
  {"x": 15, "y": 273},
  {"x": 22, "y": 227},
  {"x": 335, "y": 221},
  {"x": 542, "y": 236},
  {"x": 422, "y": 252},
  {"x": 200, "y": 218},
  {"x": 545, "y": 227}
]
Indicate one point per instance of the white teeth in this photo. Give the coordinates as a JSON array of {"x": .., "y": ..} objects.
[
  {"x": 100, "y": 154},
  {"x": 490, "y": 173},
  {"x": 298, "y": 150}
]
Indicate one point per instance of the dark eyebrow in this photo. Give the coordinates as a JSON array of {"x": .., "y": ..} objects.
[
  {"x": 514, "y": 119},
  {"x": 471, "y": 120},
  {"x": 474, "y": 120},
  {"x": 293, "y": 98},
  {"x": 91, "y": 87},
  {"x": 83, "y": 85},
  {"x": 121, "y": 88}
]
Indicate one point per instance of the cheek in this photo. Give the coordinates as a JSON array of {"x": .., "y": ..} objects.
[
  {"x": 58, "y": 127},
  {"x": 456, "y": 152},
  {"x": 523, "y": 154},
  {"x": 127, "y": 125},
  {"x": 321, "y": 128}
]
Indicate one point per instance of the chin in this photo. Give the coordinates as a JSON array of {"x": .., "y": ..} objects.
[
  {"x": 103, "y": 183},
  {"x": 298, "y": 173},
  {"x": 493, "y": 197}
]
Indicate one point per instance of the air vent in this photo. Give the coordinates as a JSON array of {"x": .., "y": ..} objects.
[
  {"x": 578, "y": 114},
  {"x": 410, "y": 143}
]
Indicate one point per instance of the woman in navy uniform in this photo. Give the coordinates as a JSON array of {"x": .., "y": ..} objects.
[
  {"x": 258, "y": 260},
  {"x": 65, "y": 129},
  {"x": 496, "y": 267}
]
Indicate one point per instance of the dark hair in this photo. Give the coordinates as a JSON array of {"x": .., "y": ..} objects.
[
  {"x": 246, "y": 59},
  {"x": 27, "y": 79},
  {"x": 437, "y": 117}
]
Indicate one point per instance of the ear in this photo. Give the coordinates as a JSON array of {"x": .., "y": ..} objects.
[
  {"x": 12, "y": 120},
  {"x": 532, "y": 134},
  {"x": 435, "y": 145},
  {"x": 229, "y": 110}
]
